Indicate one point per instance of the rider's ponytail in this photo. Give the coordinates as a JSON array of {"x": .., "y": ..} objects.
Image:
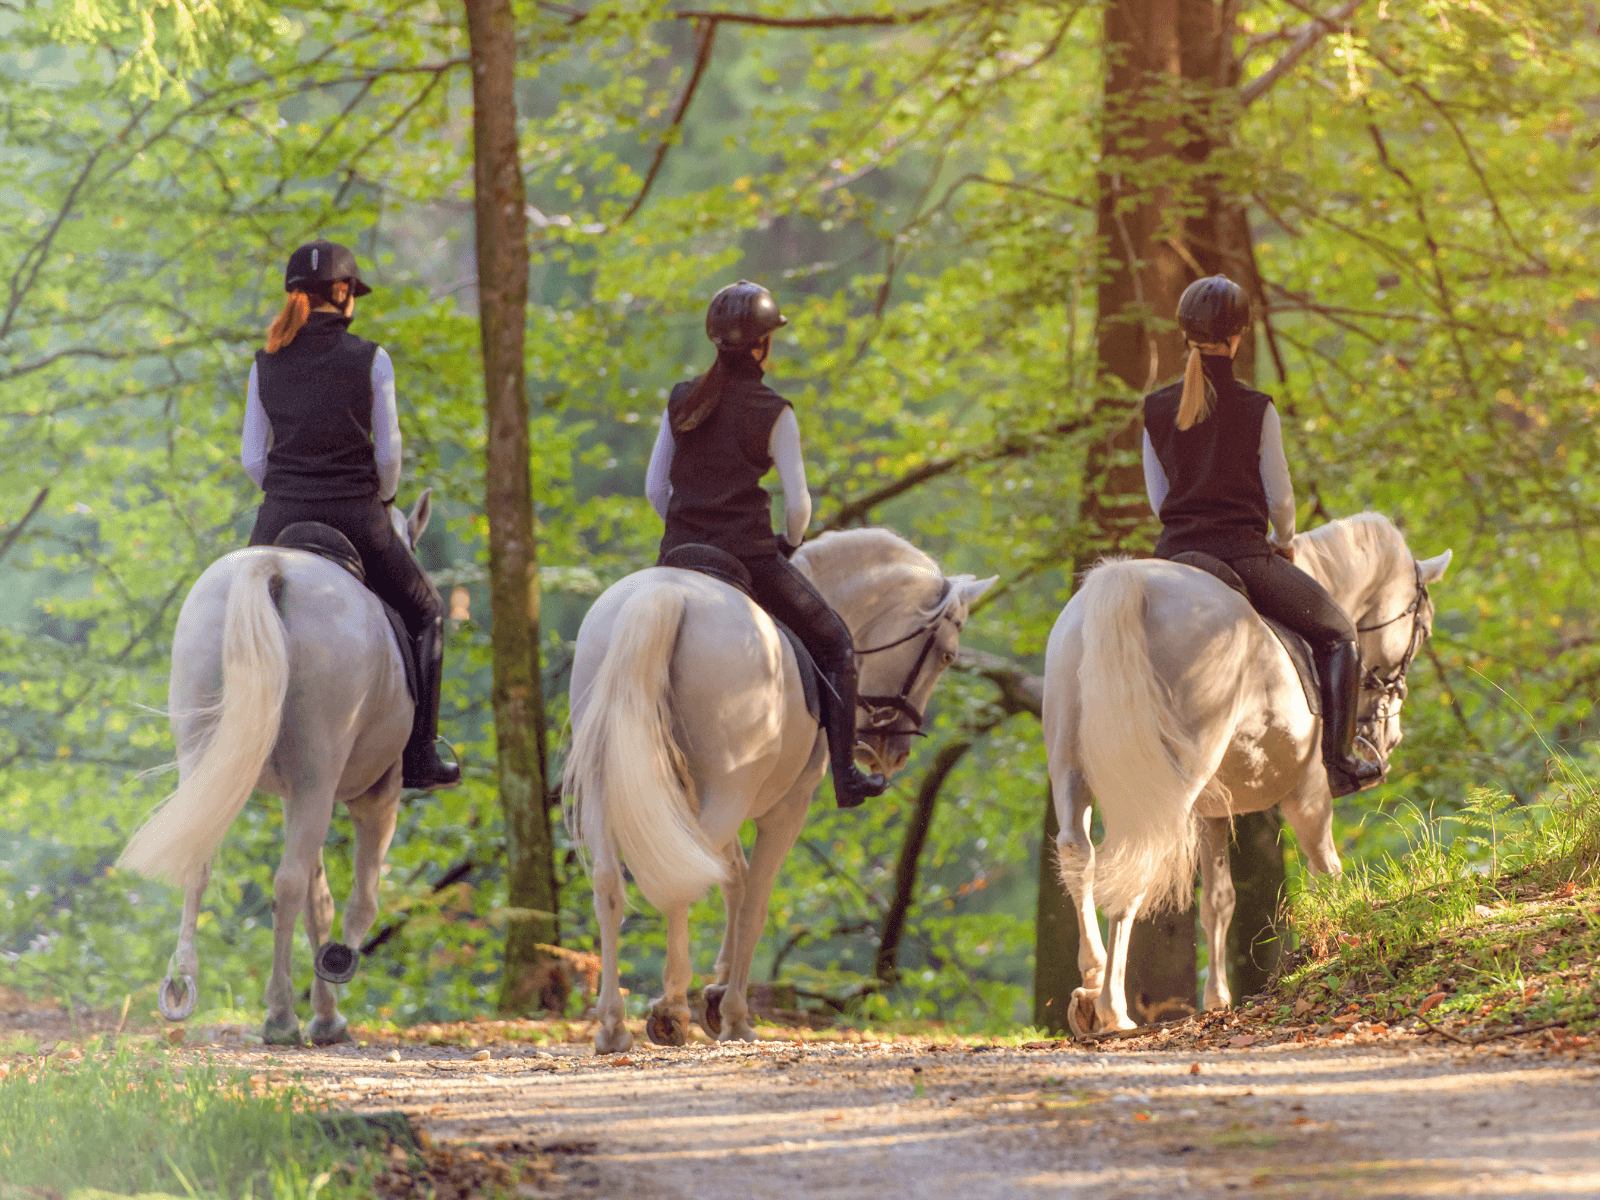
[
  {"x": 1195, "y": 406},
  {"x": 696, "y": 405},
  {"x": 297, "y": 310}
]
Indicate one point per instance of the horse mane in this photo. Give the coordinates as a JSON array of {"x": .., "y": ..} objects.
[
  {"x": 844, "y": 560},
  {"x": 1330, "y": 552}
]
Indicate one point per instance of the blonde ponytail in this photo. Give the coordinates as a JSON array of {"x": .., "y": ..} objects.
[{"x": 1195, "y": 406}]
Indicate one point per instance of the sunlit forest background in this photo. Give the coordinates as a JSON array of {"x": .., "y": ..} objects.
[{"x": 922, "y": 190}]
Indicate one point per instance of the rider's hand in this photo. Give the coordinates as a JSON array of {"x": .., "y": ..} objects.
[
  {"x": 784, "y": 548},
  {"x": 1284, "y": 551}
]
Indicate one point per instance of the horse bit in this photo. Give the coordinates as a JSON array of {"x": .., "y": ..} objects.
[
  {"x": 884, "y": 711},
  {"x": 1391, "y": 688}
]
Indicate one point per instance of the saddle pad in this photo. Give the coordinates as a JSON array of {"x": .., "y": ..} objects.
[
  {"x": 720, "y": 565},
  {"x": 1294, "y": 645},
  {"x": 327, "y": 542}
]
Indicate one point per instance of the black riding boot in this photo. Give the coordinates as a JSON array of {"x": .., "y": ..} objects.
[
  {"x": 851, "y": 785},
  {"x": 1340, "y": 670},
  {"x": 420, "y": 764}
]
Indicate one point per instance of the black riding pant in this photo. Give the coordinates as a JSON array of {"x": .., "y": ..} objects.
[
  {"x": 1282, "y": 591},
  {"x": 392, "y": 571},
  {"x": 787, "y": 594}
]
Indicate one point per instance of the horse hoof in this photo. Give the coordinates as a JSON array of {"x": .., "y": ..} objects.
[
  {"x": 740, "y": 1032},
  {"x": 712, "y": 1021},
  {"x": 175, "y": 1005},
  {"x": 666, "y": 1030},
  {"x": 285, "y": 1034},
  {"x": 335, "y": 962},
  {"x": 612, "y": 1041},
  {"x": 329, "y": 1034},
  {"x": 1081, "y": 1017}
]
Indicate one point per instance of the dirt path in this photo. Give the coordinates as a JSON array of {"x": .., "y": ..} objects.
[{"x": 817, "y": 1121}]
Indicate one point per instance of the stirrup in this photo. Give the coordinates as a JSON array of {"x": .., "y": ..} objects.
[
  {"x": 1342, "y": 782},
  {"x": 440, "y": 775}
]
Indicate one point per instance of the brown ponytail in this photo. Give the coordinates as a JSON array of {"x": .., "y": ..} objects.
[
  {"x": 297, "y": 309},
  {"x": 705, "y": 393}
]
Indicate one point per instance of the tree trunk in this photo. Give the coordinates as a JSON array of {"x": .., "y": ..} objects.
[
  {"x": 1256, "y": 857},
  {"x": 533, "y": 979},
  {"x": 1055, "y": 939}
]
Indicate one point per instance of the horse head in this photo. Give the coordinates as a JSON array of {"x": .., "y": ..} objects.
[{"x": 410, "y": 527}]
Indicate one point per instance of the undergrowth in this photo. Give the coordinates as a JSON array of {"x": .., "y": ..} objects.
[
  {"x": 133, "y": 1120},
  {"x": 1497, "y": 919}
]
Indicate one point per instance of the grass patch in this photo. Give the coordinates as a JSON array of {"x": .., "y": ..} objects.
[
  {"x": 1497, "y": 919},
  {"x": 133, "y": 1121}
]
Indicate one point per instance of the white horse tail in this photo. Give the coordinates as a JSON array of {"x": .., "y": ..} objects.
[
  {"x": 625, "y": 772},
  {"x": 181, "y": 836},
  {"x": 1139, "y": 759}
]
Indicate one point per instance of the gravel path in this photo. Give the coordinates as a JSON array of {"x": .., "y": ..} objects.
[{"x": 916, "y": 1120}]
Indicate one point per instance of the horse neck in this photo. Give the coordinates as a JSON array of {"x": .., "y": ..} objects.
[
  {"x": 872, "y": 600},
  {"x": 1364, "y": 580}
]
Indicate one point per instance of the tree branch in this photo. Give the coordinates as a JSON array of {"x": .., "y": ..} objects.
[
  {"x": 844, "y": 21},
  {"x": 1308, "y": 35},
  {"x": 708, "y": 34},
  {"x": 16, "y": 530}
]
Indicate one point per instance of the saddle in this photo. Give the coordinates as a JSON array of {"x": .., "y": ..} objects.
[
  {"x": 327, "y": 542},
  {"x": 1296, "y": 646},
  {"x": 720, "y": 565}
]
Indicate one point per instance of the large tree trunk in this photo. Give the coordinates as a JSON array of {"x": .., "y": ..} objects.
[
  {"x": 533, "y": 979},
  {"x": 1055, "y": 938}
]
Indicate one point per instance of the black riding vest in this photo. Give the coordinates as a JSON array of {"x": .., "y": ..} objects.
[
  {"x": 1215, "y": 501},
  {"x": 717, "y": 497},
  {"x": 317, "y": 393}
]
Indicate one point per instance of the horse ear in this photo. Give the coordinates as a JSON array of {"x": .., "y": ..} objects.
[
  {"x": 421, "y": 511},
  {"x": 970, "y": 588},
  {"x": 1431, "y": 570}
]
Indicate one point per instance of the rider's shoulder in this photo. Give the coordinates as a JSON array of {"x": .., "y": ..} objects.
[
  {"x": 1162, "y": 397},
  {"x": 765, "y": 395}
]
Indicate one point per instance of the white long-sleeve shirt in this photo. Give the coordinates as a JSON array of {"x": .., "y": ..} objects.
[
  {"x": 783, "y": 445},
  {"x": 1274, "y": 478},
  {"x": 386, "y": 449}
]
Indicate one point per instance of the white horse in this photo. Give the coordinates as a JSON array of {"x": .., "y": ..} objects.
[
  {"x": 688, "y": 719},
  {"x": 1168, "y": 701},
  {"x": 286, "y": 678}
]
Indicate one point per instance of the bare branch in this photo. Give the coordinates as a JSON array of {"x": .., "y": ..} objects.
[
  {"x": 1308, "y": 35},
  {"x": 846, "y": 21},
  {"x": 16, "y": 530},
  {"x": 708, "y": 34}
]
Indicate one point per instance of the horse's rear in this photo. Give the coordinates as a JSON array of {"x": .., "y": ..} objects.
[{"x": 285, "y": 678}]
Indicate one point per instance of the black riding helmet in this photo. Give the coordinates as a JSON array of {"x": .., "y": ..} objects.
[
  {"x": 1212, "y": 310},
  {"x": 317, "y": 264},
  {"x": 741, "y": 314}
]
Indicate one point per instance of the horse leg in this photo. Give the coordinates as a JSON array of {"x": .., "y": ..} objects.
[
  {"x": 1311, "y": 818},
  {"x": 668, "y": 1023},
  {"x": 327, "y": 1026},
  {"x": 1075, "y": 857},
  {"x": 305, "y": 822},
  {"x": 1111, "y": 1006},
  {"x": 1216, "y": 907},
  {"x": 611, "y": 1036},
  {"x": 732, "y": 901},
  {"x": 180, "y": 990},
  {"x": 373, "y": 817},
  {"x": 776, "y": 833}
]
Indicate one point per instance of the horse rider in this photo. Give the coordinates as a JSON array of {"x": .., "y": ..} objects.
[
  {"x": 1216, "y": 476},
  {"x": 322, "y": 440},
  {"x": 721, "y": 433}
]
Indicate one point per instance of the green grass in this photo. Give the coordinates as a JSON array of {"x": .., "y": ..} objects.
[
  {"x": 137, "y": 1121},
  {"x": 1500, "y": 915}
]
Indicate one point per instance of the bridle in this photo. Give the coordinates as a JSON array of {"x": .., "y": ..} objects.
[
  {"x": 1391, "y": 688},
  {"x": 884, "y": 711}
]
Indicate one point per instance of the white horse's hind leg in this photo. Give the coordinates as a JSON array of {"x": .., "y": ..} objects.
[
  {"x": 611, "y": 1036},
  {"x": 1075, "y": 856},
  {"x": 305, "y": 823},
  {"x": 732, "y": 904},
  {"x": 180, "y": 990},
  {"x": 668, "y": 1023},
  {"x": 1111, "y": 1006},
  {"x": 1216, "y": 907}
]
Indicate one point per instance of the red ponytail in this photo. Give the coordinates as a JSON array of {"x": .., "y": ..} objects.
[{"x": 295, "y": 311}]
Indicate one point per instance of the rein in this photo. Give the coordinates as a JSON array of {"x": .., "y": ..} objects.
[
  {"x": 1391, "y": 688},
  {"x": 884, "y": 711}
]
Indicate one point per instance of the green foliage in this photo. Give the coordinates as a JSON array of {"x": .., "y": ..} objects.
[
  {"x": 129, "y": 1121},
  {"x": 922, "y": 199}
]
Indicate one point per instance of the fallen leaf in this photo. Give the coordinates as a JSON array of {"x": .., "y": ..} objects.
[
  {"x": 1566, "y": 889},
  {"x": 1194, "y": 1068},
  {"x": 1433, "y": 1002},
  {"x": 1141, "y": 1116},
  {"x": 835, "y": 1117},
  {"x": 176, "y": 1036},
  {"x": 1346, "y": 1018},
  {"x": 1302, "y": 1006},
  {"x": 1241, "y": 1041},
  {"x": 622, "y": 1060},
  {"x": 1302, "y": 1121},
  {"x": 1539, "y": 949}
]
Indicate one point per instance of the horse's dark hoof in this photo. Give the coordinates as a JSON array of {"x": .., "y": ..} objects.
[
  {"x": 329, "y": 1033},
  {"x": 335, "y": 962},
  {"x": 712, "y": 1021},
  {"x": 285, "y": 1034}
]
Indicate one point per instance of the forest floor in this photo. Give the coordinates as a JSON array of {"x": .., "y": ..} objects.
[{"x": 1355, "y": 1113}]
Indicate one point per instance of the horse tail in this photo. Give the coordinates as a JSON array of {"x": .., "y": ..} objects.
[
  {"x": 183, "y": 833},
  {"x": 625, "y": 774},
  {"x": 1137, "y": 756}
]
